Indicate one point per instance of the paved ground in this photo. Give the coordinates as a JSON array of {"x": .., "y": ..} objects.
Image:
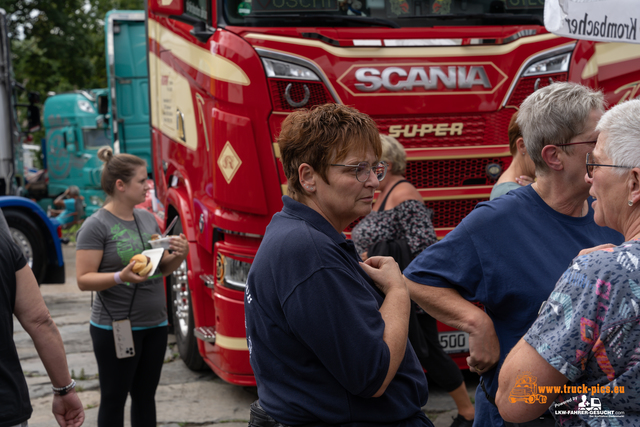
[{"x": 184, "y": 398}]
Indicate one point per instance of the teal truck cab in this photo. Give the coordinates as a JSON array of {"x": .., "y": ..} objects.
[
  {"x": 78, "y": 123},
  {"x": 75, "y": 130},
  {"x": 128, "y": 78}
]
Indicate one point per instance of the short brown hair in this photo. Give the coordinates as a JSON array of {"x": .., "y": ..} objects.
[
  {"x": 119, "y": 166},
  {"x": 321, "y": 136},
  {"x": 514, "y": 133}
]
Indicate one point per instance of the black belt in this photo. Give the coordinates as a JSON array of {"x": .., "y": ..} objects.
[
  {"x": 490, "y": 398},
  {"x": 258, "y": 417},
  {"x": 543, "y": 420}
]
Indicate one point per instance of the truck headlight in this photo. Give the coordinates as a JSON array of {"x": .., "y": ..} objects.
[
  {"x": 555, "y": 64},
  {"x": 234, "y": 273}
]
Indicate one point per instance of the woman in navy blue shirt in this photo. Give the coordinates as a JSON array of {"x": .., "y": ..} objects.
[{"x": 327, "y": 334}]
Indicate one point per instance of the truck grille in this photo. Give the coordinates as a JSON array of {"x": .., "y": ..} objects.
[
  {"x": 318, "y": 94},
  {"x": 450, "y": 173},
  {"x": 477, "y": 129},
  {"x": 526, "y": 86},
  {"x": 449, "y": 213}
]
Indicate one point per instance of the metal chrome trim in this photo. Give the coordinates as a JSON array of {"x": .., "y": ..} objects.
[
  {"x": 205, "y": 333},
  {"x": 367, "y": 42},
  {"x": 569, "y": 47},
  {"x": 238, "y": 233},
  {"x": 208, "y": 279},
  {"x": 519, "y": 34},
  {"x": 421, "y": 42},
  {"x": 303, "y": 62}
]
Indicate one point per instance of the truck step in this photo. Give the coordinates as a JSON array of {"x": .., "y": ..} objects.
[
  {"x": 205, "y": 333},
  {"x": 208, "y": 280}
]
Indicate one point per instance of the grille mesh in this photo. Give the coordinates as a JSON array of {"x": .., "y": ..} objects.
[
  {"x": 449, "y": 213},
  {"x": 450, "y": 173},
  {"x": 525, "y": 86},
  {"x": 318, "y": 94},
  {"x": 478, "y": 129}
]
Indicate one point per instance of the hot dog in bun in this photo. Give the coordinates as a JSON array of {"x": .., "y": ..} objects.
[{"x": 142, "y": 265}]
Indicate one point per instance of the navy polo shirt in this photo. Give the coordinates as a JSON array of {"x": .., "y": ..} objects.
[{"x": 314, "y": 331}]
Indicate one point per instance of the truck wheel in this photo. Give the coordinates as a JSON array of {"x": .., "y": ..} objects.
[
  {"x": 183, "y": 322},
  {"x": 27, "y": 236}
]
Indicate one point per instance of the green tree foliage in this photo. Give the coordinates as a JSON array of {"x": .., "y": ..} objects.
[{"x": 58, "y": 45}]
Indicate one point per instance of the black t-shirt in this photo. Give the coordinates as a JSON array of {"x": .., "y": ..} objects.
[{"x": 15, "y": 406}]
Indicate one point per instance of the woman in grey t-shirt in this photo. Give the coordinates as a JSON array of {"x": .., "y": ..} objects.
[{"x": 128, "y": 306}]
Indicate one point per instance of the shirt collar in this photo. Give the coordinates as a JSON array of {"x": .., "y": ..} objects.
[{"x": 317, "y": 221}]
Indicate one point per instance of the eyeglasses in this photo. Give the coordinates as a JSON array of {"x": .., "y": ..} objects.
[
  {"x": 591, "y": 167},
  {"x": 364, "y": 169},
  {"x": 576, "y": 143}
]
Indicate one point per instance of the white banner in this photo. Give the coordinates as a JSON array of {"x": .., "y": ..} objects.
[{"x": 598, "y": 20}]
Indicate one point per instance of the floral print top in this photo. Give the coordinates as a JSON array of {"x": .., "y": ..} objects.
[
  {"x": 410, "y": 220},
  {"x": 588, "y": 330}
]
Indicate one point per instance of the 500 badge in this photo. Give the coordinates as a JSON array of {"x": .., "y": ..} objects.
[{"x": 421, "y": 79}]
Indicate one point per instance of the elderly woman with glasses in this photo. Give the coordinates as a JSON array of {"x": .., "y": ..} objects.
[
  {"x": 585, "y": 341},
  {"x": 327, "y": 333}
]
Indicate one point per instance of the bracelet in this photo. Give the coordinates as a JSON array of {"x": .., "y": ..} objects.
[
  {"x": 117, "y": 278},
  {"x": 61, "y": 391}
]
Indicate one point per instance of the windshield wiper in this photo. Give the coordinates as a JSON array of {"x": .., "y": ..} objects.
[
  {"x": 497, "y": 16},
  {"x": 364, "y": 20}
]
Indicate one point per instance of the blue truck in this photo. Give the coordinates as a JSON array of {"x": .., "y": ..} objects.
[{"x": 37, "y": 236}]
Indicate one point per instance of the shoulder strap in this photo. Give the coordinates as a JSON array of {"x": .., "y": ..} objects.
[{"x": 384, "y": 202}]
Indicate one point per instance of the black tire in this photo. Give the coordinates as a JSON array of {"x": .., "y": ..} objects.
[
  {"x": 27, "y": 235},
  {"x": 182, "y": 314}
]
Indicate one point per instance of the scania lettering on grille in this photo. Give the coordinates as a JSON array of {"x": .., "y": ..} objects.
[
  {"x": 413, "y": 130},
  {"x": 419, "y": 79},
  {"x": 372, "y": 79}
]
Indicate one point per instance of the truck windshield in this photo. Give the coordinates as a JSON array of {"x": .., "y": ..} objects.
[
  {"x": 384, "y": 13},
  {"x": 96, "y": 138}
]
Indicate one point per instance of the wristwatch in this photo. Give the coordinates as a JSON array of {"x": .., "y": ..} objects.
[{"x": 61, "y": 391}]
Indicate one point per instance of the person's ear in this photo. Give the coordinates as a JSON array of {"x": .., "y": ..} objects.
[
  {"x": 522, "y": 149},
  {"x": 119, "y": 185},
  {"x": 634, "y": 185},
  {"x": 307, "y": 177},
  {"x": 550, "y": 155}
]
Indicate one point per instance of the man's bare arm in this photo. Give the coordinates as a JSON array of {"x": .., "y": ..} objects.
[{"x": 448, "y": 306}]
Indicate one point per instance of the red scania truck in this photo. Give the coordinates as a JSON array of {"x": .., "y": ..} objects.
[{"x": 442, "y": 76}]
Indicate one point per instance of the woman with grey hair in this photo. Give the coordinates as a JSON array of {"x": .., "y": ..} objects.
[
  {"x": 398, "y": 212},
  {"x": 400, "y": 226},
  {"x": 586, "y": 336}
]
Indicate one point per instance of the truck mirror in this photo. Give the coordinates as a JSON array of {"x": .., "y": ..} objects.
[
  {"x": 175, "y": 7},
  {"x": 33, "y": 118},
  {"x": 103, "y": 104},
  {"x": 33, "y": 97}
]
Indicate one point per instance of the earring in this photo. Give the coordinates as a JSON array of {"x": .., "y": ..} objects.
[
  {"x": 630, "y": 203},
  {"x": 523, "y": 153}
]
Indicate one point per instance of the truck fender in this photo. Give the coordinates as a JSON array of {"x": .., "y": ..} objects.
[
  {"x": 47, "y": 228},
  {"x": 178, "y": 198}
]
